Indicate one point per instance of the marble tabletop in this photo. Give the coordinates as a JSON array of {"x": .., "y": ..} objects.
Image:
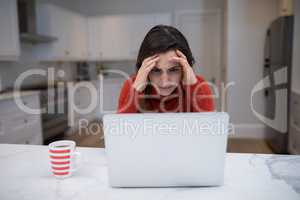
[{"x": 25, "y": 174}]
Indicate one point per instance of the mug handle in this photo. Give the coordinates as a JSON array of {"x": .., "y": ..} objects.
[{"x": 75, "y": 161}]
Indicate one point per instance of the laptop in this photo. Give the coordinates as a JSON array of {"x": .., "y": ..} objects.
[{"x": 166, "y": 149}]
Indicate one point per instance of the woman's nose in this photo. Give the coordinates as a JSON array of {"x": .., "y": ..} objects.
[{"x": 164, "y": 79}]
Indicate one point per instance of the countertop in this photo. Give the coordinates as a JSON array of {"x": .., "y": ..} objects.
[
  {"x": 25, "y": 174},
  {"x": 10, "y": 95}
]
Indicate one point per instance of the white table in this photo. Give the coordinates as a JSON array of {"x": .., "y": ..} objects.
[{"x": 25, "y": 174}]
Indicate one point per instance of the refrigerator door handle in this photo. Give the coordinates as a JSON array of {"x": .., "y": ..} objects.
[{"x": 266, "y": 93}]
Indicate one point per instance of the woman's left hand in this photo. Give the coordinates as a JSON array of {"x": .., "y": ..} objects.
[{"x": 189, "y": 77}]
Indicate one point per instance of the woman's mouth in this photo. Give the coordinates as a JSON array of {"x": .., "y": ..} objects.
[{"x": 166, "y": 88}]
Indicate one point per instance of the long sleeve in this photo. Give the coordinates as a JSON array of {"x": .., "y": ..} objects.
[
  {"x": 128, "y": 99},
  {"x": 200, "y": 96}
]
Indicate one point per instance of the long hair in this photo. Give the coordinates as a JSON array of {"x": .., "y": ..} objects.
[{"x": 160, "y": 39}]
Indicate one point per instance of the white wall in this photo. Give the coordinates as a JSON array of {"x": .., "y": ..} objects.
[
  {"x": 247, "y": 22},
  {"x": 296, "y": 49}
]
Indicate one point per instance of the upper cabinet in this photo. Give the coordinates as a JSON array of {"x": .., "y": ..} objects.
[
  {"x": 108, "y": 38},
  {"x": 69, "y": 27},
  {"x": 79, "y": 38},
  {"x": 79, "y": 42},
  {"x": 99, "y": 38},
  {"x": 118, "y": 37},
  {"x": 9, "y": 31}
]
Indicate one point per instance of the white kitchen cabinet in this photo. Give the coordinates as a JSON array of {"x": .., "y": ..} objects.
[
  {"x": 9, "y": 31},
  {"x": 18, "y": 126},
  {"x": 108, "y": 35},
  {"x": 109, "y": 92},
  {"x": 100, "y": 43},
  {"x": 53, "y": 21},
  {"x": 79, "y": 100},
  {"x": 118, "y": 37},
  {"x": 79, "y": 41},
  {"x": 69, "y": 27},
  {"x": 100, "y": 38},
  {"x": 93, "y": 38}
]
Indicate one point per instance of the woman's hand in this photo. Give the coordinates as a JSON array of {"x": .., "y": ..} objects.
[
  {"x": 189, "y": 77},
  {"x": 140, "y": 82}
]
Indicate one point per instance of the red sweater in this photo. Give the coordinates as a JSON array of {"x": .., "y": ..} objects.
[{"x": 186, "y": 98}]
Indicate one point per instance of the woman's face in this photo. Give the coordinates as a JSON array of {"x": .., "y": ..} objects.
[{"x": 166, "y": 75}]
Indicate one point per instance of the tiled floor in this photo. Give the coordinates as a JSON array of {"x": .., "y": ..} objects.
[{"x": 237, "y": 145}]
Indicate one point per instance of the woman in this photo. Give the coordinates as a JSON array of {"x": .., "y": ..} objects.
[{"x": 165, "y": 80}]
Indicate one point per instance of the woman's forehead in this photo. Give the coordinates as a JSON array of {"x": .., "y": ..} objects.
[{"x": 164, "y": 61}]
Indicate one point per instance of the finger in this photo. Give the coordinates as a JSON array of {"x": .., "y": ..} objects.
[
  {"x": 180, "y": 54},
  {"x": 154, "y": 60},
  {"x": 179, "y": 60},
  {"x": 150, "y": 58},
  {"x": 150, "y": 66}
]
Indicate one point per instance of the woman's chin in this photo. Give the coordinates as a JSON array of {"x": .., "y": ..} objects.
[{"x": 165, "y": 92}]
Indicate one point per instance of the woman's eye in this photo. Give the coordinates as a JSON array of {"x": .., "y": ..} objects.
[
  {"x": 155, "y": 71},
  {"x": 175, "y": 69}
]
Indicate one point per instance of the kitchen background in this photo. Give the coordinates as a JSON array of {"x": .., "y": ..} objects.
[{"x": 80, "y": 39}]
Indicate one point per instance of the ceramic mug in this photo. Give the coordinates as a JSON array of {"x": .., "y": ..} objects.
[{"x": 63, "y": 158}]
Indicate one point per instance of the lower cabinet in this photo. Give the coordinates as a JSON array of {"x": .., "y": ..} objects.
[
  {"x": 18, "y": 126},
  {"x": 83, "y": 103}
]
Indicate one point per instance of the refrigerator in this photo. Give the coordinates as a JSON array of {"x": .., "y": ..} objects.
[{"x": 277, "y": 71}]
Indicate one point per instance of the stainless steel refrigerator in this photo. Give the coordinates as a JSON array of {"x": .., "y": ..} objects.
[{"x": 277, "y": 69}]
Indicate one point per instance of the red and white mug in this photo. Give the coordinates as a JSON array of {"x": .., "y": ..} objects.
[{"x": 63, "y": 158}]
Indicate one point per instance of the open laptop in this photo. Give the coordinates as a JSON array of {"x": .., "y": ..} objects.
[{"x": 166, "y": 149}]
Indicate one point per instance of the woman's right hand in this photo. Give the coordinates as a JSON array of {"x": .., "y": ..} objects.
[{"x": 140, "y": 82}]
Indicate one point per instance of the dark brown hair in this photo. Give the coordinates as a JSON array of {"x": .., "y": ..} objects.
[{"x": 160, "y": 39}]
